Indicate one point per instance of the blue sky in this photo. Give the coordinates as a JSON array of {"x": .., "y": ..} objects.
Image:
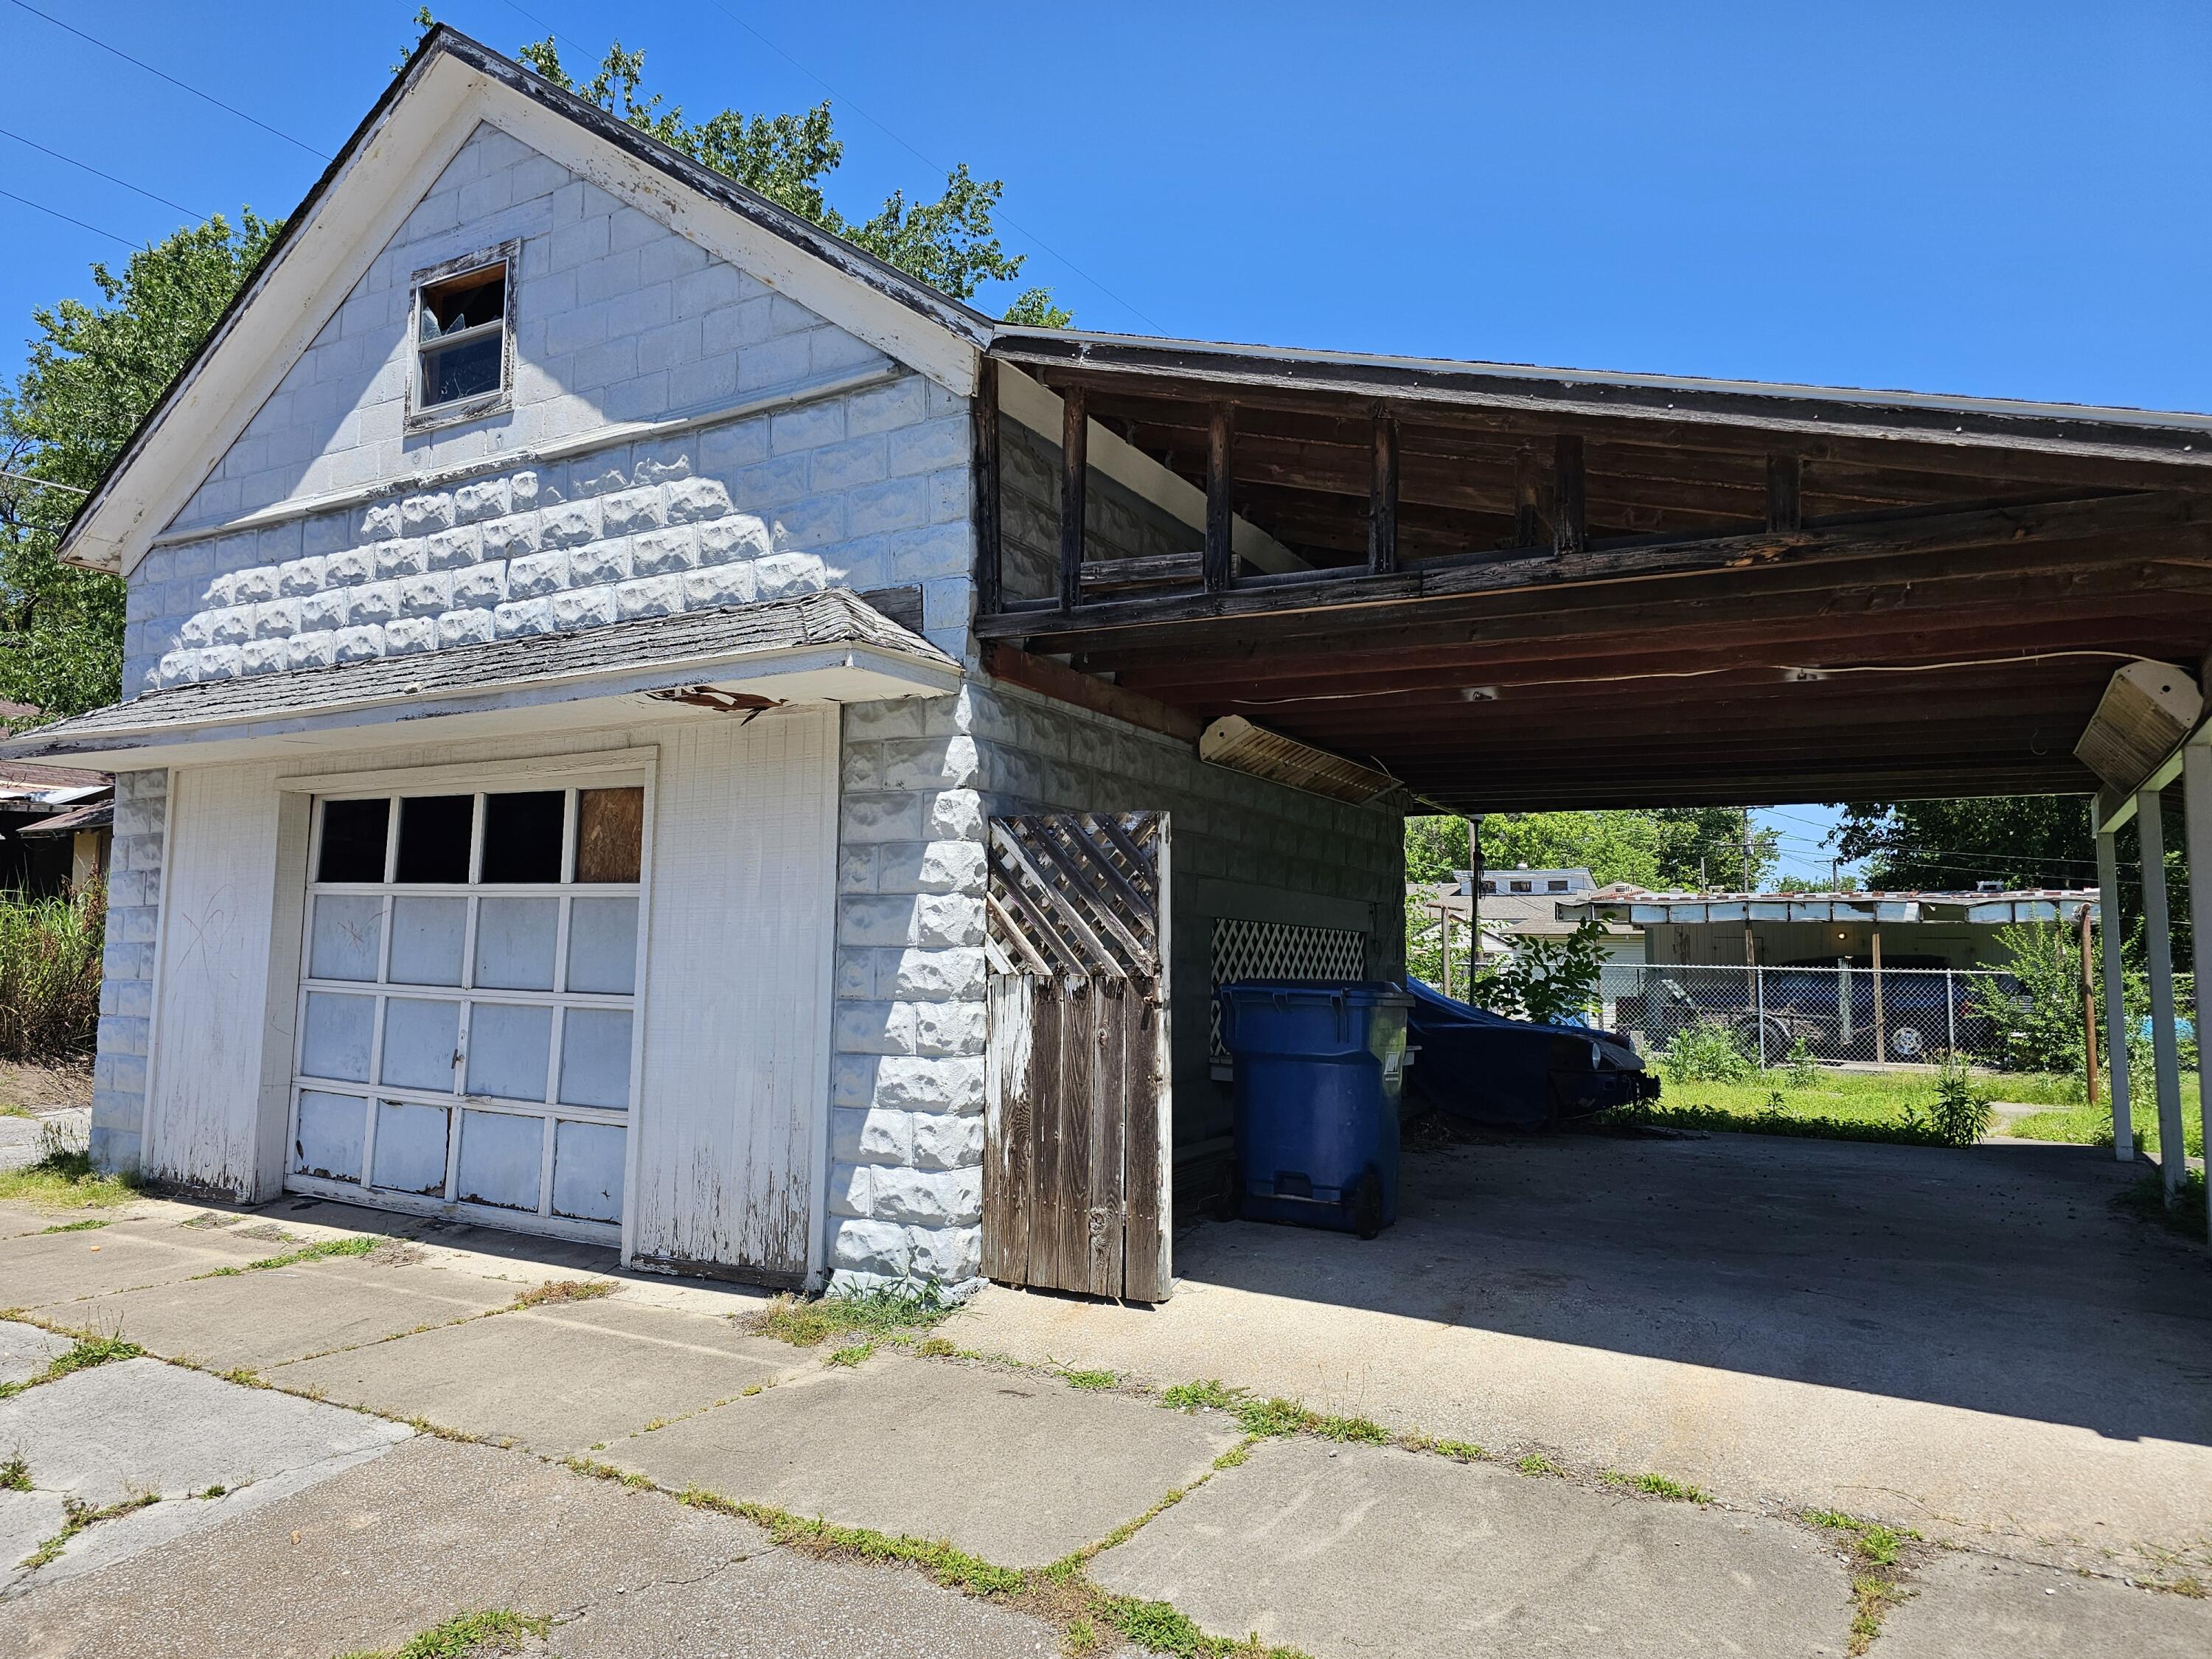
[{"x": 2006, "y": 199}]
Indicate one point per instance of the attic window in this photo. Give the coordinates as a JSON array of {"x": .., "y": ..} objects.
[{"x": 462, "y": 337}]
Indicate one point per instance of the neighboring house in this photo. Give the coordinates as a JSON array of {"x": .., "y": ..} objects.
[
  {"x": 54, "y": 820},
  {"x": 1826, "y": 930},
  {"x": 1522, "y": 904},
  {"x": 556, "y": 771}
]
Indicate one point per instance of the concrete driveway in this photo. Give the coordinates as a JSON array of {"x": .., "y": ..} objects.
[
  {"x": 1973, "y": 1343},
  {"x": 342, "y": 1451}
]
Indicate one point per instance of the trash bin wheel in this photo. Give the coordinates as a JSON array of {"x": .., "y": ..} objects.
[{"x": 1367, "y": 1205}]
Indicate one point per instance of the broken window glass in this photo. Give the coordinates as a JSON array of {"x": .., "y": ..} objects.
[
  {"x": 353, "y": 840},
  {"x": 434, "y": 837},
  {"x": 522, "y": 836}
]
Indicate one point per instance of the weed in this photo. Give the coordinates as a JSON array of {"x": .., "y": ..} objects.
[
  {"x": 887, "y": 1311},
  {"x": 1089, "y": 1379},
  {"x": 1537, "y": 1463},
  {"x": 15, "y": 1474},
  {"x": 211, "y": 1492},
  {"x": 1878, "y": 1582},
  {"x": 50, "y": 952},
  {"x": 1706, "y": 1052},
  {"x": 496, "y": 1630},
  {"x": 322, "y": 1250},
  {"x": 77, "y": 1516},
  {"x": 244, "y": 1376},
  {"x": 563, "y": 1290},
  {"x": 2190, "y": 1587},
  {"x": 2146, "y": 1200},
  {"x": 1235, "y": 1455},
  {"x": 1802, "y": 1069},
  {"x": 935, "y": 1347},
  {"x": 1081, "y": 1637},
  {"x": 84, "y": 1226},
  {"x": 8, "y": 1109},
  {"x": 62, "y": 1178},
  {"x": 1460, "y": 1451},
  {"x": 1656, "y": 1486},
  {"x": 88, "y": 1351},
  {"x": 608, "y": 1472},
  {"x": 748, "y": 1390},
  {"x": 851, "y": 1356},
  {"x": 1211, "y": 1394}
]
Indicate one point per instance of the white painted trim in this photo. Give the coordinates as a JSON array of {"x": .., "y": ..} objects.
[
  {"x": 584, "y": 443},
  {"x": 161, "y": 956},
  {"x": 423, "y": 1204},
  {"x": 1038, "y": 407},
  {"x": 633, "y": 1135},
  {"x": 635, "y": 764},
  {"x": 825, "y": 1029}
]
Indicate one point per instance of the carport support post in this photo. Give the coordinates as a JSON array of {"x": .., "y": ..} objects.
[
  {"x": 2115, "y": 1011},
  {"x": 2197, "y": 811},
  {"x": 2166, "y": 1056}
]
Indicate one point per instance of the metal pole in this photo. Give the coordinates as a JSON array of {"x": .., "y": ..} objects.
[
  {"x": 1881, "y": 1027},
  {"x": 2157, "y": 945},
  {"x": 2115, "y": 1011},
  {"x": 1444, "y": 933},
  {"x": 1759, "y": 1006},
  {"x": 1950, "y": 1011},
  {"x": 2196, "y": 808}
]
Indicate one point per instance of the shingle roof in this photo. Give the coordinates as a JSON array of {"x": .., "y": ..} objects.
[{"x": 692, "y": 639}]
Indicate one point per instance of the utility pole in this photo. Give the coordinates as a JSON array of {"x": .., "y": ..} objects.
[
  {"x": 1473, "y": 897},
  {"x": 1747, "y": 850}
]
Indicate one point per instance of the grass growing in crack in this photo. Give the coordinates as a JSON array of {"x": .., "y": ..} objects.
[
  {"x": 496, "y": 1629},
  {"x": 1460, "y": 1451},
  {"x": 322, "y": 1250},
  {"x": 851, "y": 1356},
  {"x": 953, "y": 1568},
  {"x": 1264, "y": 1419},
  {"x": 1537, "y": 1463},
  {"x": 562, "y": 1290},
  {"x": 84, "y": 1226},
  {"x": 89, "y": 1351},
  {"x": 607, "y": 1472},
  {"x": 62, "y": 1178},
  {"x": 1237, "y": 1454},
  {"x": 1090, "y": 1379},
  {"x": 15, "y": 1475},
  {"x": 77, "y": 1516},
  {"x": 885, "y": 1313},
  {"x": 1656, "y": 1486},
  {"x": 1877, "y": 1579}
]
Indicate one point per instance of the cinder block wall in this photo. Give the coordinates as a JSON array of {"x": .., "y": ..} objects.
[
  {"x": 126, "y": 985},
  {"x": 921, "y": 782}
]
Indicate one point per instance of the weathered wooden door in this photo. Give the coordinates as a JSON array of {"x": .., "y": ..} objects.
[{"x": 1076, "y": 1158}]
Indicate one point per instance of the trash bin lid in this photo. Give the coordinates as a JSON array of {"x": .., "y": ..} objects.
[{"x": 1366, "y": 993}]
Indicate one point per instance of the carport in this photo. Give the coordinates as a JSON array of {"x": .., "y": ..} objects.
[{"x": 1513, "y": 588}]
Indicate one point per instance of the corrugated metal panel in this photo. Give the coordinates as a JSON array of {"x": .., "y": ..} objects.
[
  {"x": 1235, "y": 742},
  {"x": 734, "y": 1087}
]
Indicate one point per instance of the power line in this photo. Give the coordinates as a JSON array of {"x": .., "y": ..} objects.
[
  {"x": 164, "y": 75},
  {"x": 87, "y": 168},
  {"x": 938, "y": 165},
  {"x": 66, "y": 219}
]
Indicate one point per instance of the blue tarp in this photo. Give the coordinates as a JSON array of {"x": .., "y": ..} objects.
[{"x": 1515, "y": 1073}]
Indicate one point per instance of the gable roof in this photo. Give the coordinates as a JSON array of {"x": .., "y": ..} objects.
[{"x": 449, "y": 85}]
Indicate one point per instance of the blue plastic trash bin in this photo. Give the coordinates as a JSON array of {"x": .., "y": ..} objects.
[{"x": 1320, "y": 1064}]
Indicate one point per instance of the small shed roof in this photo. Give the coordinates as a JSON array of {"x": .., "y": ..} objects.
[{"x": 1988, "y": 909}]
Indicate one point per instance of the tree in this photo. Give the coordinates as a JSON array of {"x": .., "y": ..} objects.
[
  {"x": 94, "y": 372},
  {"x": 2021, "y": 841},
  {"x": 950, "y": 243},
  {"x": 1661, "y": 847}
]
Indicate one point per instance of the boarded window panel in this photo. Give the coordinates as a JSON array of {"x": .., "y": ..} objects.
[
  {"x": 353, "y": 841},
  {"x": 610, "y": 833},
  {"x": 587, "y": 1171},
  {"x": 335, "y": 1041},
  {"x": 428, "y": 935},
  {"x": 411, "y": 1147},
  {"x": 509, "y": 1049},
  {"x": 419, "y": 1040},
  {"x": 503, "y": 1159},
  {"x": 595, "y": 1058},
  {"x": 347, "y": 937},
  {"x": 603, "y": 945},
  {"x": 328, "y": 1143},
  {"x": 515, "y": 941},
  {"x": 522, "y": 836},
  {"x": 434, "y": 837}
]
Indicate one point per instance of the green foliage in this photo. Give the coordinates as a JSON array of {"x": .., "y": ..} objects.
[
  {"x": 1546, "y": 979},
  {"x": 2040, "y": 1027},
  {"x": 50, "y": 951},
  {"x": 851, "y": 1356},
  {"x": 93, "y": 373},
  {"x": 87, "y": 1352},
  {"x": 1705, "y": 1052},
  {"x": 950, "y": 243},
  {"x": 1659, "y": 848},
  {"x": 15, "y": 1474},
  {"x": 323, "y": 1250},
  {"x": 2022, "y": 841},
  {"x": 1802, "y": 1069},
  {"x": 888, "y": 1312},
  {"x": 62, "y": 1178},
  {"x": 1211, "y": 1394},
  {"x": 1656, "y": 1486},
  {"x": 1960, "y": 1115},
  {"x": 471, "y": 1636}
]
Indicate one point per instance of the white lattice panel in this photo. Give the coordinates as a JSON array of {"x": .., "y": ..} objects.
[{"x": 1279, "y": 950}]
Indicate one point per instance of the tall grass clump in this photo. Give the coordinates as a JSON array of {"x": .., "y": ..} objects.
[{"x": 50, "y": 973}]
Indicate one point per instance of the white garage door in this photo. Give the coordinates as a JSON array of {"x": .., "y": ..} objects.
[{"x": 467, "y": 1033}]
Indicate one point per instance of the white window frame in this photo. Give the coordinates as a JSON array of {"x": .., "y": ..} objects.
[
  {"x": 587, "y": 772},
  {"x": 423, "y": 417}
]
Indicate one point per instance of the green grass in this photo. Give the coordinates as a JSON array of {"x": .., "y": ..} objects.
[
  {"x": 1537, "y": 1463},
  {"x": 1877, "y": 1579},
  {"x": 89, "y": 1351},
  {"x": 888, "y": 1314},
  {"x": 15, "y": 1474},
  {"x": 50, "y": 973},
  {"x": 1264, "y": 1419},
  {"x": 562, "y": 1290},
  {"x": 851, "y": 1356},
  {"x": 1094, "y": 1380},
  {"x": 77, "y": 1516},
  {"x": 496, "y": 1630},
  {"x": 89, "y": 1225},
  {"x": 1656, "y": 1486},
  {"x": 323, "y": 1250},
  {"x": 63, "y": 1179}
]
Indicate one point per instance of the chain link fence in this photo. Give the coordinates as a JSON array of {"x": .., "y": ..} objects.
[{"x": 1834, "y": 1016}]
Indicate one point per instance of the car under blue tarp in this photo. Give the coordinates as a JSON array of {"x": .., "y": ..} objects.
[{"x": 1484, "y": 1068}]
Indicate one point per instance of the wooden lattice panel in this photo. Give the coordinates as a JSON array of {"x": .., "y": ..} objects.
[
  {"x": 1280, "y": 950},
  {"x": 1075, "y": 893}
]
